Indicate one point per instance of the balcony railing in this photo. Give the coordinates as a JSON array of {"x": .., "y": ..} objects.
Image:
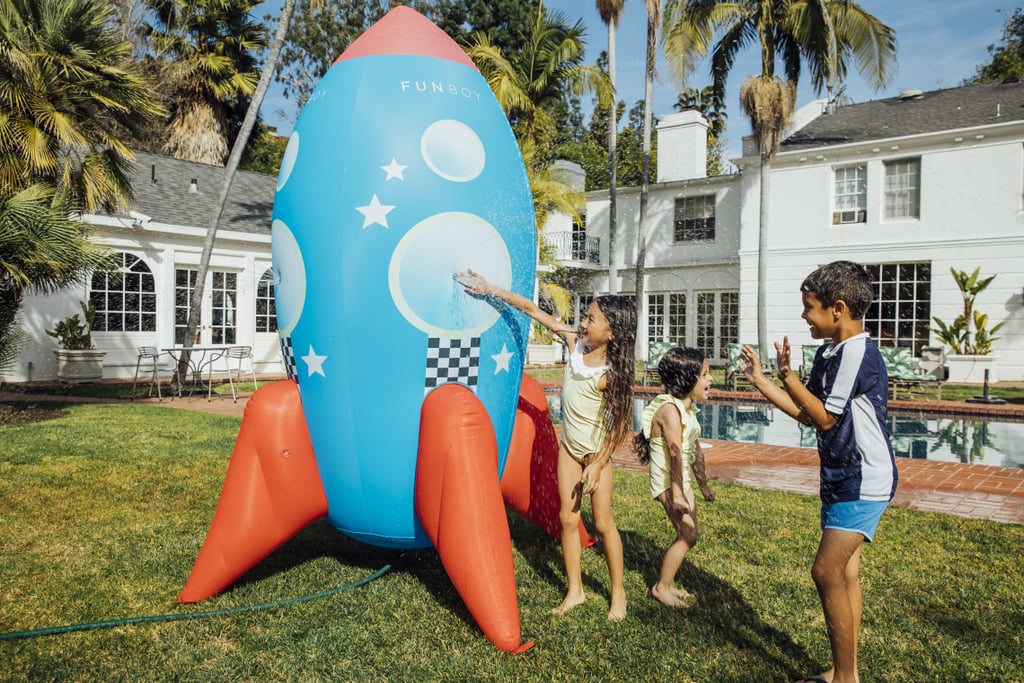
[{"x": 568, "y": 246}]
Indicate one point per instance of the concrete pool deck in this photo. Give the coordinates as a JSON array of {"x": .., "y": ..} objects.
[{"x": 967, "y": 490}]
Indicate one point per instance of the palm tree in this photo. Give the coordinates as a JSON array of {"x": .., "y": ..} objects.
[
  {"x": 546, "y": 70},
  {"x": 210, "y": 47},
  {"x": 823, "y": 35},
  {"x": 230, "y": 169},
  {"x": 653, "y": 21},
  {"x": 610, "y": 11},
  {"x": 70, "y": 93},
  {"x": 42, "y": 249},
  {"x": 704, "y": 101}
]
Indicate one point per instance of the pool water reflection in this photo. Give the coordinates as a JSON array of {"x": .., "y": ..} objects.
[{"x": 932, "y": 437}]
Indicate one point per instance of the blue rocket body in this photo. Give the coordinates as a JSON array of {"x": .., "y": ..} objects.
[{"x": 401, "y": 172}]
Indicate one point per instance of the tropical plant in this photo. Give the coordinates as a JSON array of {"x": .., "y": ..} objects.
[
  {"x": 74, "y": 333},
  {"x": 70, "y": 95},
  {"x": 958, "y": 335},
  {"x": 821, "y": 35},
  {"x": 230, "y": 169},
  {"x": 610, "y": 11},
  {"x": 210, "y": 49},
  {"x": 545, "y": 71}
]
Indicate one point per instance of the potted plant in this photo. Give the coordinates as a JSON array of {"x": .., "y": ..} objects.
[
  {"x": 968, "y": 336},
  {"x": 77, "y": 359}
]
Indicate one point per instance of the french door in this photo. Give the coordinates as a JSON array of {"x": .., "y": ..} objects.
[{"x": 219, "y": 311}]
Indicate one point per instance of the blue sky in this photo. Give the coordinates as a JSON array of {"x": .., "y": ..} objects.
[{"x": 941, "y": 42}]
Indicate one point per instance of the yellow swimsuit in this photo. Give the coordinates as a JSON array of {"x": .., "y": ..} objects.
[
  {"x": 583, "y": 429},
  {"x": 661, "y": 478}
]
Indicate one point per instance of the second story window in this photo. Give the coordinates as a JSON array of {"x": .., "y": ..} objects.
[
  {"x": 902, "y": 188},
  {"x": 851, "y": 195},
  {"x": 695, "y": 219}
]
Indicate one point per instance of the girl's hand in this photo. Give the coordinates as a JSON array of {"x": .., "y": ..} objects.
[
  {"x": 708, "y": 494},
  {"x": 679, "y": 500},
  {"x": 590, "y": 477},
  {"x": 473, "y": 282}
]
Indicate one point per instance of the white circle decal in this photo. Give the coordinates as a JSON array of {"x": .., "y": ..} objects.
[
  {"x": 423, "y": 269},
  {"x": 291, "y": 153},
  {"x": 289, "y": 277},
  {"x": 452, "y": 150}
]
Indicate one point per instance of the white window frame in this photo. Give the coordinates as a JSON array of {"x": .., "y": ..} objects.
[
  {"x": 850, "y": 188},
  {"x": 903, "y": 188}
]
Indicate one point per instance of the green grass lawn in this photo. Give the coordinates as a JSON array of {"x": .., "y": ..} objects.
[{"x": 103, "y": 509}]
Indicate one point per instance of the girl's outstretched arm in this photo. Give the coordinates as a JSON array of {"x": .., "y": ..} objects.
[{"x": 477, "y": 285}]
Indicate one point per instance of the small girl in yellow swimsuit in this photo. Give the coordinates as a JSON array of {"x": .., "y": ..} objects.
[
  {"x": 669, "y": 441},
  {"x": 597, "y": 410}
]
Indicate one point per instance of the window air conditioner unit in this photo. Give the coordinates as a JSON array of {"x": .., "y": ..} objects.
[{"x": 853, "y": 216}]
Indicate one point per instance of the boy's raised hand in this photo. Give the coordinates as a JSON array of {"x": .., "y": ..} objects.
[
  {"x": 783, "y": 352},
  {"x": 751, "y": 363},
  {"x": 473, "y": 282}
]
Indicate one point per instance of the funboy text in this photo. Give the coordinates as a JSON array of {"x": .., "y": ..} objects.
[{"x": 439, "y": 88}]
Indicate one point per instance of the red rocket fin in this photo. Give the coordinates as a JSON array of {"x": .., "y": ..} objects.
[
  {"x": 530, "y": 480},
  {"x": 458, "y": 502},
  {"x": 272, "y": 490}
]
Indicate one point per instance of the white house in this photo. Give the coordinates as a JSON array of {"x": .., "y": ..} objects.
[
  {"x": 159, "y": 245},
  {"x": 909, "y": 186}
]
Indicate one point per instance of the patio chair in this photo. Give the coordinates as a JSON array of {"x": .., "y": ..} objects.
[
  {"x": 903, "y": 374},
  {"x": 654, "y": 354},
  {"x": 148, "y": 361},
  {"x": 235, "y": 361},
  {"x": 808, "y": 352},
  {"x": 733, "y": 374}
]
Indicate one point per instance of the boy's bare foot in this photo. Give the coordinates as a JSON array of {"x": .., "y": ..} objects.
[
  {"x": 668, "y": 598},
  {"x": 569, "y": 602}
]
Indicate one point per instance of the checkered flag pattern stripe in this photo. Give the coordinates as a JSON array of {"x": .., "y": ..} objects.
[
  {"x": 452, "y": 360},
  {"x": 288, "y": 357}
]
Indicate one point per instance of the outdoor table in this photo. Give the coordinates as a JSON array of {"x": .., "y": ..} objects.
[{"x": 200, "y": 360}]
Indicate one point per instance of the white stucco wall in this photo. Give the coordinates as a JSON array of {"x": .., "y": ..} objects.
[{"x": 163, "y": 248}]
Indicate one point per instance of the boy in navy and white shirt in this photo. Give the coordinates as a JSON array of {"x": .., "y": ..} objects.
[{"x": 846, "y": 401}]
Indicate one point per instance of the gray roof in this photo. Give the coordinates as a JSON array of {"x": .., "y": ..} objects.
[
  {"x": 162, "y": 191},
  {"x": 916, "y": 113}
]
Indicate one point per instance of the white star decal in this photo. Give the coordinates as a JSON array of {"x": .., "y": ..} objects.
[
  {"x": 314, "y": 362},
  {"x": 394, "y": 170},
  {"x": 502, "y": 359},
  {"x": 374, "y": 212}
]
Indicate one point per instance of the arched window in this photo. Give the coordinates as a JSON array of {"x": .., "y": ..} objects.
[
  {"x": 266, "y": 308},
  {"x": 125, "y": 297}
]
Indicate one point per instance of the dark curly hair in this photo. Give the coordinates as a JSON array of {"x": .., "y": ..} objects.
[
  {"x": 679, "y": 370},
  {"x": 617, "y": 403}
]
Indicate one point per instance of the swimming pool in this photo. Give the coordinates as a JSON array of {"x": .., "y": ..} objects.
[{"x": 914, "y": 435}]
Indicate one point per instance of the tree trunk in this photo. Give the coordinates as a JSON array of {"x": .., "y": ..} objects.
[
  {"x": 234, "y": 159},
  {"x": 613, "y": 124},
  {"x": 645, "y": 176},
  {"x": 762, "y": 260}
]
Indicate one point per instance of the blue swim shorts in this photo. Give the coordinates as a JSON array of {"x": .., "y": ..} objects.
[{"x": 860, "y": 516}]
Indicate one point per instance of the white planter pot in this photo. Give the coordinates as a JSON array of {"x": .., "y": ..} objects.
[
  {"x": 971, "y": 369},
  {"x": 543, "y": 354},
  {"x": 79, "y": 366}
]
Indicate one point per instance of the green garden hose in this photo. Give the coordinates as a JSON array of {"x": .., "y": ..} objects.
[{"x": 53, "y": 630}]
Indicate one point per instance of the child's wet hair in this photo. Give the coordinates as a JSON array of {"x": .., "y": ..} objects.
[
  {"x": 841, "y": 280},
  {"x": 680, "y": 369},
  {"x": 617, "y": 405}
]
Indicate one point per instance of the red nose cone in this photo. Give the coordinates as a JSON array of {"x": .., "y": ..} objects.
[{"x": 404, "y": 31}]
